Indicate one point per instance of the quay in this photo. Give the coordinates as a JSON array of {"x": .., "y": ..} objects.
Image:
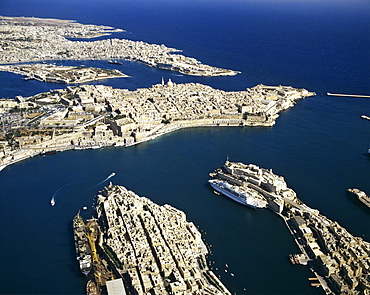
[
  {"x": 339, "y": 261},
  {"x": 348, "y": 95}
]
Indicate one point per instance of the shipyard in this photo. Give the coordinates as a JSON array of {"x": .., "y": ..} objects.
[
  {"x": 135, "y": 246},
  {"x": 339, "y": 261}
]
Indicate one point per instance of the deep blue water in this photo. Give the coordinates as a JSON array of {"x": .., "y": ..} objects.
[{"x": 319, "y": 146}]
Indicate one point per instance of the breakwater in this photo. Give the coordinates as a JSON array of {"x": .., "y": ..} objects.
[{"x": 348, "y": 95}]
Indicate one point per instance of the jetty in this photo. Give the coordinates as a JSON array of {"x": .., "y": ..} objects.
[{"x": 348, "y": 95}]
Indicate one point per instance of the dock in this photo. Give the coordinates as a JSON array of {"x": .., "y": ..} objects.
[{"x": 348, "y": 95}]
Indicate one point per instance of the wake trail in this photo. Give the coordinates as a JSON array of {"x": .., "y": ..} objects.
[
  {"x": 109, "y": 177},
  {"x": 58, "y": 190}
]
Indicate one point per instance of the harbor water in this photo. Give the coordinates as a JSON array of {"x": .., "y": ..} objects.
[{"x": 319, "y": 146}]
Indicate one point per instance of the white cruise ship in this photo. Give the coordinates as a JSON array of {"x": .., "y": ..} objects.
[{"x": 242, "y": 195}]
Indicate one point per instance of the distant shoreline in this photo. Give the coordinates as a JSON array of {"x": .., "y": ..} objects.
[{"x": 38, "y": 39}]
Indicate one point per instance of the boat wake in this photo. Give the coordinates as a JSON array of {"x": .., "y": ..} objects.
[
  {"x": 109, "y": 177},
  {"x": 52, "y": 201}
]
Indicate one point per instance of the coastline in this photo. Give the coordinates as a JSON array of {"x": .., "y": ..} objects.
[
  {"x": 295, "y": 146},
  {"x": 173, "y": 255},
  {"x": 51, "y": 43},
  {"x": 50, "y": 73},
  {"x": 338, "y": 259},
  {"x": 94, "y": 116}
]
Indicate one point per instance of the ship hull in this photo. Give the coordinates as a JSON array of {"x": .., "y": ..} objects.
[
  {"x": 232, "y": 195},
  {"x": 361, "y": 196},
  {"x": 83, "y": 252}
]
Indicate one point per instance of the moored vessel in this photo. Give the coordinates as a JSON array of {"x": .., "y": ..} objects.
[
  {"x": 51, "y": 152},
  {"x": 83, "y": 251},
  {"x": 115, "y": 62},
  {"x": 361, "y": 196},
  {"x": 242, "y": 195},
  {"x": 91, "y": 288}
]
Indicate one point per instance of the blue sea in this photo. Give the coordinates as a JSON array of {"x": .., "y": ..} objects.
[{"x": 319, "y": 146}]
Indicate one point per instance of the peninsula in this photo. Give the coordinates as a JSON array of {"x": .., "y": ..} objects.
[
  {"x": 52, "y": 73},
  {"x": 340, "y": 262},
  {"x": 30, "y": 39},
  {"x": 93, "y": 116},
  {"x": 138, "y": 247}
]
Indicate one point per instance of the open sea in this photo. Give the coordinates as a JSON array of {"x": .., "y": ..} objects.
[{"x": 319, "y": 146}]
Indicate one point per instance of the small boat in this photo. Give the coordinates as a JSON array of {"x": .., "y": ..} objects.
[
  {"x": 115, "y": 62},
  {"x": 111, "y": 175},
  {"x": 84, "y": 208},
  {"x": 48, "y": 152},
  {"x": 28, "y": 78},
  {"x": 52, "y": 201}
]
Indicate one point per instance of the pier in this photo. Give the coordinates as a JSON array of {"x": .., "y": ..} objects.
[
  {"x": 348, "y": 95},
  {"x": 339, "y": 260}
]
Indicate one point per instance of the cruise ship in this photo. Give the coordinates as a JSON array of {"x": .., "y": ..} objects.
[
  {"x": 242, "y": 195},
  {"x": 83, "y": 252}
]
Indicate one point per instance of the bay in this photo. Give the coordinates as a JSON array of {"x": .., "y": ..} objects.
[{"x": 319, "y": 146}]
